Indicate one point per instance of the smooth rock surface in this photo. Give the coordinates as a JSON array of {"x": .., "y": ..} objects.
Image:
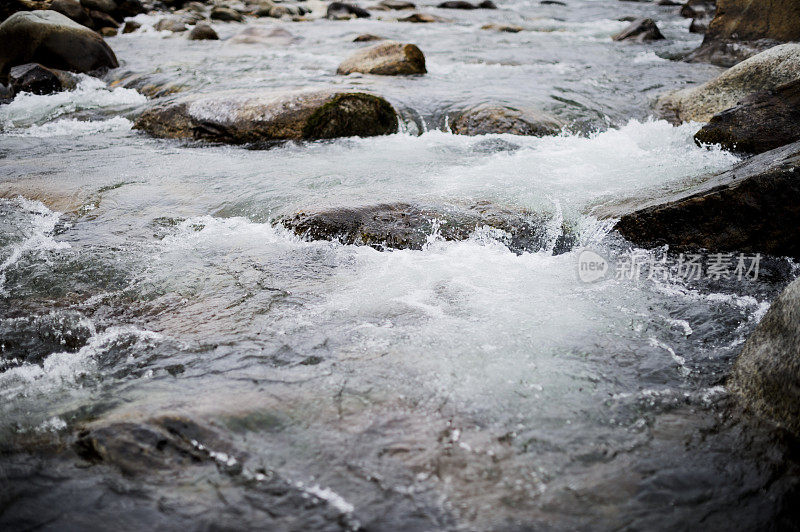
[
  {"x": 765, "y": 71},
  {"x": 640, "y": 30},
  {"x": 238, "y": 117},
  {"x": 388, "y": 58}
]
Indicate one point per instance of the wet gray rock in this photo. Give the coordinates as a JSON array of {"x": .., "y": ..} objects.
[
  {"x": 226, "y": 14},
  {"x": 409, "y": 226},
  {"x": 238, "y": 117},
  {"x": 340, "y": 10},
  {"x": 766, "y": 376},
  {"x": 761, "y": 122},
  {"x": 203, "y": 32},
  {"x": 640, "y": 30},
  {"x": 487, "y": 119},
  {"x": 388, "y": 58},
  {"x": 35, "y": 79},
  {"x": 741, "y": 28},
  {"x": 263, "y": 35},
  {"x": 753, "y": 208},
  {"x": 765, "y": 71},
  {"x": 52, "y": 40}
]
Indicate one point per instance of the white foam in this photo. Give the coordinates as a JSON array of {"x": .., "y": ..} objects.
[
  {"x": 72, "y": 127},
  {"x": 91, "y": 93}
]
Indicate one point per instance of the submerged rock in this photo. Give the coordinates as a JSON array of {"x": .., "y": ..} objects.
[
  {"x": 54, "y": 41},
  {"x": 397, "y": 5},
  {"x": 337, "y": 10},
  {"x": 263, "y": 35},
  {"x": 238, "y": 117},
  {"x": 409, "y": 226},
  {"x": 640, "y": 30},
  {"x": 388, "y": 58},
  {"x": 131, "y": 26},
  {"x": 766, "y": 376},
  {"x": 203, "y": 32},
  {"x": 761, "y": 122},
  {"x": 753, "y": 207},
  {"x": 34, "y": 78},
  {"x": 462, "y": 4},
  {"x": 765, "y": 71},
  {"x": 487, "y": 119},
  {"x": 741, "y": 28},
  {"x": 502, "y": 28}
]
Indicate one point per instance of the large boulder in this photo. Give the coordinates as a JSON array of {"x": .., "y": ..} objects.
[
  {"x": 640, "y": 30},
  {"x": 766, "y": 376},
  {"x": 238, "y": 117},
  {"x": 743, "y": 27},
  {"x": 761, "y": 122},
  {"x": 52, "y": 40},
  {"x": 72, "y": 9},
  {"x": 388, "y": 58},
  {"x": 409, "y": 226},
  {"x": 752, "y": 208},
  {"x": 487, "y": 119},
  {"x": 765, "y": 71}
]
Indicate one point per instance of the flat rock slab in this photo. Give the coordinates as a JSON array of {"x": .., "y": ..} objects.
[
  {"x": 239, "y": 117},
  {"x": 754, "y": 208},
  {"x": 409, "y": 226}
]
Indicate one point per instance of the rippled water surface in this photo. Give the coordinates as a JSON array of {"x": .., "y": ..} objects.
[{"x": 338, "y": 386}]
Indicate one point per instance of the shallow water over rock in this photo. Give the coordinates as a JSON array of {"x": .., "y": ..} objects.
[{"x": 171, "y": 356}]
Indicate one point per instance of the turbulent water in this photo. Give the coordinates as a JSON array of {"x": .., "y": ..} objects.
[{"x": 337, "y": 386}]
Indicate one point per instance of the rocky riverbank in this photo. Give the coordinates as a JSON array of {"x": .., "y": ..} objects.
[{"x": 312, "y": 265}]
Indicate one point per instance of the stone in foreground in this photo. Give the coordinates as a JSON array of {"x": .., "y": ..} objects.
[
  {"x": 753, "y": 208},
  {"x": 765, "y": 71},
  {"x": 763, "y": 121},
  {"x": 35, "y": 79},
  {"x": 766, "y": 376},
  {"x": 389, "y": 58},
  {"x": 409, "y": 226},
  {"x": 54, "y": 41},
  {"x": 487, "y": 119},
  {"x": 239, "y": 117}
]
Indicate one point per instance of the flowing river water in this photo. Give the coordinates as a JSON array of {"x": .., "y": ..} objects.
[{"x": 461, "y": 386}]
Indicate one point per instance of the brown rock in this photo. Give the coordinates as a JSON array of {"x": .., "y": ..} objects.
[
  {"x": 237, "y": 117},
  {"x": 203, "y": 32},
  {"x": 389, "y": 58},
  {"x": 368, "y": 37},
  {"x": 502, "y": 28}
]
